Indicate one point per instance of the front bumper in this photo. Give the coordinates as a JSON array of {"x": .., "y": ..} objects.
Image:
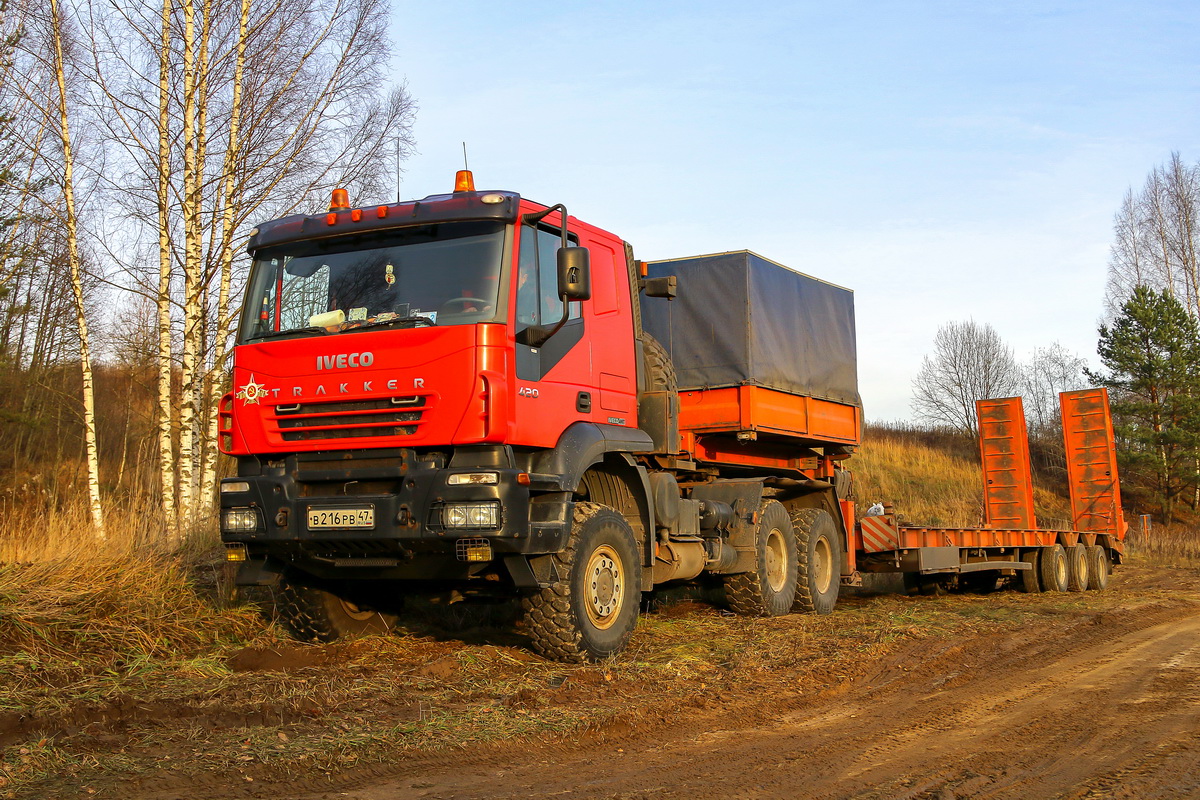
[{"x": 408, "y": 498}]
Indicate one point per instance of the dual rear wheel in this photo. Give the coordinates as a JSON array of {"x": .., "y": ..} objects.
[{"x": 797, "y": 565}]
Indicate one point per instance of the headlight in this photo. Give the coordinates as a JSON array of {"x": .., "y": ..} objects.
[
  {"x": 471, "y": 516},
  {"x": 235, "y": 486},
  {"x": 469, "y": 478},
  {"x": 239, "y": 520}
]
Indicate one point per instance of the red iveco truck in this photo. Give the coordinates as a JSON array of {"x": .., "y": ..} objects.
[{"x": 474, "y": 394}]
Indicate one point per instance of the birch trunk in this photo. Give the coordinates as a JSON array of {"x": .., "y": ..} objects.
[
  {"x": 225, "y": 256},
  {"x": 72, "y": 225},
  {"x": 166, "y": 445},
  {"x": 192, "y": 266}
]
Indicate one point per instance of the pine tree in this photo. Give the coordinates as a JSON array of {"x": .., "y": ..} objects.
[{"x": 1152, "y": 351}]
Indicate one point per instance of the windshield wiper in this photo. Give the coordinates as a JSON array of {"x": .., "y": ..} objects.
[
  {"x": 414, "y": 321},
  {"x": 289, "y": 332}
]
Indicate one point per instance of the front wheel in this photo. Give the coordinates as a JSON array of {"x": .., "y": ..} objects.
[
  {"x": 820, "y": 557},
  {"x": 315, "y": 615},
  {"x": 592, "y": 613}
]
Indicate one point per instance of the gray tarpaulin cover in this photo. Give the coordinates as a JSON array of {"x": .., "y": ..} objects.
[{"x": 742, "y": 319}]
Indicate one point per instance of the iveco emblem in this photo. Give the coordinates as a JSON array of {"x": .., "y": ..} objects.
[{"x": 344, "y": 360}]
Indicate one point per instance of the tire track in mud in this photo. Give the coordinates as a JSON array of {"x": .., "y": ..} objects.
[{"x": 1077, "y": 709}]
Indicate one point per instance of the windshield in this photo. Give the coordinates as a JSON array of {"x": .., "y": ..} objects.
[{"x": 445, "y": 274}]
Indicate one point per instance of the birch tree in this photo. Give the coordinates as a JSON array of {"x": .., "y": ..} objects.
[
  {"x": 970, "y": 362},
  {"x": 42, "y": 73},
  {"x": 262, "y": 107},
  {"x": 1155, "y": 238}
]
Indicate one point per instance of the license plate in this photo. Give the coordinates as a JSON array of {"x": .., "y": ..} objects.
[{"x": 341, "y": 518}]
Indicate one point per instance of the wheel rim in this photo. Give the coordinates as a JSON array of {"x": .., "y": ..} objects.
[
  {"x": 1083, "y": 569},
  {"x": 604, "y": 591},
  {"x": 354, "y": 612},
  {"x": 775, "y": 560},
  {"x": 822, "y": 566},
  {"x": 1060, "y": 570}
]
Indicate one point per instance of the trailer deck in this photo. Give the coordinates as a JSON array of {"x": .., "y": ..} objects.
[{"x": 1010, "y": 534}]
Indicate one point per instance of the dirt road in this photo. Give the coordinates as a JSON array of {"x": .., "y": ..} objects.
[
  {"x": 1006, "y": 695},
  {"x": 1109, "y": 709}
]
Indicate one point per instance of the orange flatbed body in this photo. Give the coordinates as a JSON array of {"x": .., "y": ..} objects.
[{"x": 759, "y": 427}]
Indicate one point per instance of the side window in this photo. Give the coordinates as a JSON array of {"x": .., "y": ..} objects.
[{"x": 538, "y": 302}]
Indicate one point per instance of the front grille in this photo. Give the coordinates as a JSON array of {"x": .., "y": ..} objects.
[{"x": 384, "y": 416}]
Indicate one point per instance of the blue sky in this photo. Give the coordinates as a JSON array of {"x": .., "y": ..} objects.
[{"x": 945, "y": 160}]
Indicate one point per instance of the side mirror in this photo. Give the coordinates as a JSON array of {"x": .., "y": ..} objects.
[
  {"x": 667, "y": 287},
  {"x": 574, "y": 273}
]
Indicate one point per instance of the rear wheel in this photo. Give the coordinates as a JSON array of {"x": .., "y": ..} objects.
[
  {"x": 1029, "y": 577},
  {"x": 592, "y": 613},
  {"x": 770, "y": 588},
  {"x": 316, "y": 615},
  {"x": 1098, "y": 567},
  {"x": 819, "y": 559},
  {"x": 1077, "y": 568},
  {"x": 1052, "y": 568}
]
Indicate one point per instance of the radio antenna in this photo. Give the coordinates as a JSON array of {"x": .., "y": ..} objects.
[
  {"x": 465, "y": 165},
  {"x": 397, "y": 169}
]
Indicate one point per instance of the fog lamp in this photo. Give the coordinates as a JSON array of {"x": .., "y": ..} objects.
[
  {"x": 239, "y": 520},
  {"x": 471, "y": 516}
]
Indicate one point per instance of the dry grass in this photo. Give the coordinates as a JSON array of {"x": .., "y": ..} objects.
[
  {"x": 1167, "y": 546},
  {"x": 83, "y": 623},
  {"x": 44, "y": 531}
]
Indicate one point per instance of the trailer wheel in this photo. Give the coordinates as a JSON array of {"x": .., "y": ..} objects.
[
  {"x": 818, "y": 555},
  {"x": 1052, "y": 569},
  {"x": 590, "y": 613},
  {"x": 770, "y": 588},
  {"x": 1030, "y": 581},
  {"x": 1098, "y": 567},
  {"x": 1077, "y": 568},
  {"x": 316, "y": 615}
]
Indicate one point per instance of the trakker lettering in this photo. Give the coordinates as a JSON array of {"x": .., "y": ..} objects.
[
  {"x": 344, "y": 360},
  {"x": 344, "y": 388}
]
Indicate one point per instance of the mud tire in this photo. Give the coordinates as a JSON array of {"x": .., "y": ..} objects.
[
  {"x": 660, "y": 370},
  {"x": 1029, "y": 580},
  {"x": 819, "y": 557},
  {"x": 1099, "y": 568},
  {"x": 1077, "y": 568},
  {"x": 769, "y": 589},
  {"x": 1052, "y": 568},
  {"x": 574, "y": 622},
  {"x": 311, "y": 614}
]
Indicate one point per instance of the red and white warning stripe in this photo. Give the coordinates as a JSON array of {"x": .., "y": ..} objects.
[{"x": 878, "y": 534}]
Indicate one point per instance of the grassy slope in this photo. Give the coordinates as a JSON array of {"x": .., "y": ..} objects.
[{"x": 934, "y": 483}]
